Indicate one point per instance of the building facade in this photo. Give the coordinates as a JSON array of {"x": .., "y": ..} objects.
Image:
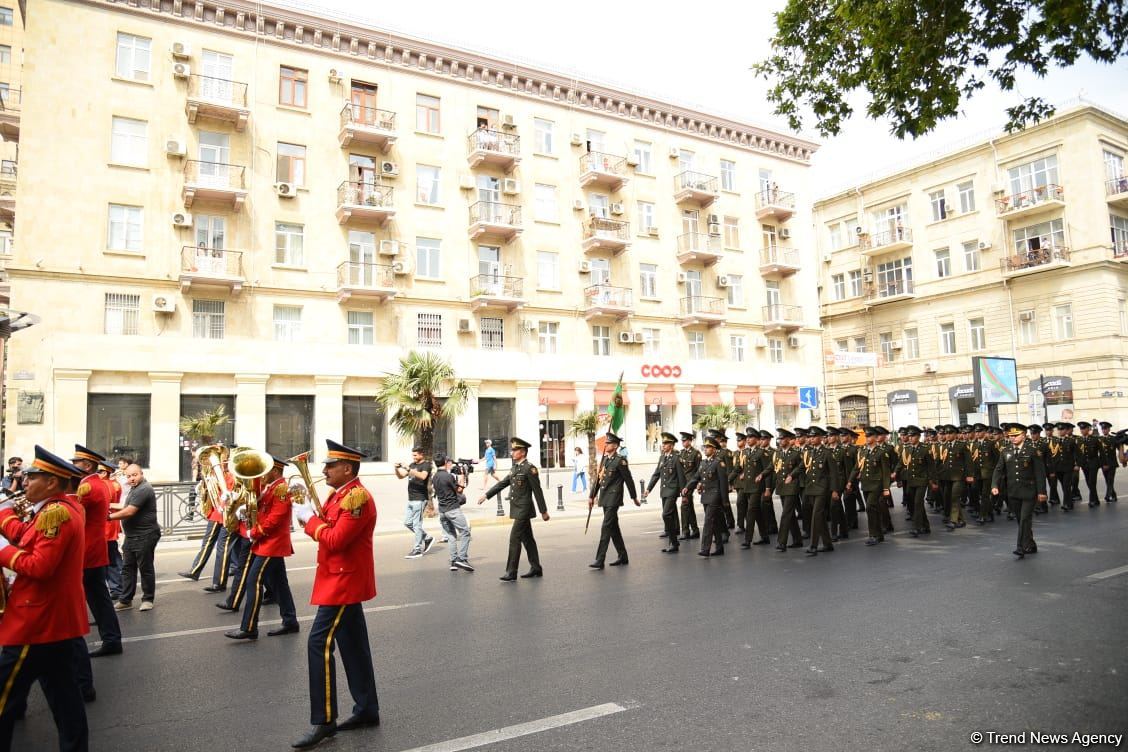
[
  {"x": 1015, "y": 247},
  {"x": 11, "y": 91},
  {"x": 266, "y": 209}
]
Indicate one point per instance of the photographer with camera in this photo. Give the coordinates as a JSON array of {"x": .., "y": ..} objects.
[
  {"x": 418, "y": 474},
  {"x": 449, "y": 483}
]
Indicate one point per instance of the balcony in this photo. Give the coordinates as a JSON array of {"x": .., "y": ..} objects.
[
  {"x": 1116, "y": 192},
  {"x": 211, "y": 267},
  {"x": 218, "y": 99},
  {"x": 774, "y": 204},
  {"x": 889, "y": 292},
  {"x": 498, "y": 149},
  {"x": 607, "y": 300},
  {"x": 10, "y": 105},
  {"x": 1040, "y": 200},
  {"x": 356, "y": 279},
  {"x": 696, "y": 310},
  {"x": 699, "y": 248},
  {"x": 496, "y": 291},
  {"x": 695, "y": 188},
  {"x": 496, "y": 220},
  {"x": 777, "y": 262},
  {"x": 214, "y": 181},
  {"x": 602, "y": 234},
  {"x": 781, "y": 318},
  {"x": 367, "y": 126},
  {"x": 1120, "y": 250},
  {"x": 365, "y": 202},
  {"x": 8, "y": 190},
  {"x": 1033, "y": 260},
  {"x": 603, "y": 171},
  {"x": 879, "y": 243}
]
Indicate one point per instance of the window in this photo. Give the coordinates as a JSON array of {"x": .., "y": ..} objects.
[
  {"x": 492, "y": 331},
  {"x": 429, "y": 329},
  {"x": 728, "y": 175},
  {"x": 292, "y": 86},
  {"x": 427, "y": 258},
  {"x": 1033, "y": 175},
  {"x": 361, "y": 328},
  {"x": 838, "y": 284},
  {"x": 119, "y": 424},
  {"x": 648, "y": 280},
  {"x": 973, "y": 257},
  {"x": 855, "y": 276},
  {"x": 5, "y": 16},
  {"x": 5, "y": 54},
  {"x": 890, "y": 221},
  {"x": 291, "y": 163},
  {"x": 1042, "y": 237},
  {"x": 545, "y": 206},
  {"x": 912, "y": 344},
  {"x": 646, "y": 216},
  {"x": 1027, "y": 327},
  {"x": 548, "y": 334},
  {"x": 885, "y": 341},
  {"x": 860, "y": 344},
  {"x": 732, "y": 233},
  {"x": 967, "y": 196},
  {"x": 123, "y": 313},
  {"x": 939, "y": 206},
  {"x": 651, "y": 341},
  {"x": 207, "y": 319},
  {"x": 977, "y": 334},
  {"x": 132, "y": 58},
  {"x": 426, "y": 113},
  {"x": 737, "y": 347},
  {"x": 642, "y": 156},
  {"x": 542, "y": 136},
  {"x": 548, "y": 270},
  {"x": 427, "y": 184},
  {"x": 775, "y": 350},
  {"x": 600, "y": 271},
  {"x": 943, "y": 262},
  {"x": 771, "y": 293},
  {"x": 842, "y": 345},
  {"x": 696, "y": 342},
  {"x": 495, "y": 422},
  {"x": 288, "y": 244},
  {"x": 854, "y": 411},
  {"x": 841, "y": 234},
  {"x": 363, "y": 427},
  {"x": 736, "y": 290},
  {"x": 948, "y": 339},
  {"x": 129, "y": 141},
  {"x": 895, "y": 277},
  {"x": 289, "y": 424},
  {"x": 125, "y": 229},
  {"x": 1118, "y": 226},
  {"x": 1113, "y": 164},
  {"x": 287, "y": 323},
  {"x": 1063, "y": 321},
  {"x": 601, "y": 340},
  {"x": 5, "y": 242}
]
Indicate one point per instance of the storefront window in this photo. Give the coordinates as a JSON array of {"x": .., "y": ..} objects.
[
  {"x": 785, "y": 415},
  {"x": 193, "y": 405},
  {"x": 289, "y": 425},
  {"x": 655, "y": 424},
  {"x": 853, "y": 409},
  {"x": 364, "y": 427},
  {"x": 495, "y": 422},
  {"x": 117, "y": 425}
]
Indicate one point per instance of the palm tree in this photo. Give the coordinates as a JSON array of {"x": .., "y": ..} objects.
[
  {"x": 586, "y": 424},
  {"x": 202, "y": 428},
  {"x": 411, "y": 397},
  {"x": 720, "y": 417}
]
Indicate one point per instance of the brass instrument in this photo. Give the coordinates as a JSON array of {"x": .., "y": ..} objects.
[
  {"x": 247, "y": 465},
  {"x": 210, "y": 459},
  {"x": 22, "y": 508},
  {"x": 301, "y": 485}
]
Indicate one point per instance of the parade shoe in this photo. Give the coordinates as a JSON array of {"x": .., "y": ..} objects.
[
  {"x": 188, "y": 576},
  {"x": 825, "y": 549},
  {"x": 796, "y": 545},
  {"x": 980, "y": 523},
  {"x": 739, "y": 531},
  {"x": 781, "y": 548},
  {"x": 532, "y": 573},
  {"x": 834, "y": 539},
  {"x": 215, "y": 589},
  {"x": 1094, "y": 503},
  {"x": 241, "y": 634},
  {"x": 1019, "y": 553},
  {"x": 664, "y": 535},
  {"x": 684, "y": 537},
  {"x": 1032, "y": 549},
  {"x": 695, "y": 535},
  {"x": 873, "y": 541},
  {"x": 761, "y": 542},
  {"x": 719, "y": 552},
  {"x": 359, "y": 720},
  {"x": 113, "y": 648},
  {"x": 746, "y": 545},
  {"x": 316, "y": 735},
  {"x": 812, "y": 552},
  {"x": 224, "y": 607},
  {"x": 1010, "y": 517},
  {"x": 284, "y": 629},
  {"x": 508, "y": 578},
  {"x": 620, "y": 562},
  {"x": 670, "y": 549},
  {"x": 706, "y": 554},
  {"x": 913, "y": 533},
  {"x": 268, "y": 600},
  {"x": 596, "y": 565}
]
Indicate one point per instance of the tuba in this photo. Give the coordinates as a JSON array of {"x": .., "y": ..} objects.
[
  {"x": 301, "y": 485},
  {"x": 247, "y": 465},
  {"x": 211, "y": 459}
]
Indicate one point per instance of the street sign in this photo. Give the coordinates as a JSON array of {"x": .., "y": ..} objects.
[{"x": 808, "y": 397}]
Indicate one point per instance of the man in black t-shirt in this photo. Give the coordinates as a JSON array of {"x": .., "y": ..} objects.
[
  {"x": 142, "y": 532},
  {"x": 418, "y": 474},
  {"x": 449, "y": 497}
]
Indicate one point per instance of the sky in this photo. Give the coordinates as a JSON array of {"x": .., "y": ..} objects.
[{"x": 699, "y": 55}]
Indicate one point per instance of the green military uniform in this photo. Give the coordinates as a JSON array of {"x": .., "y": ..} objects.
[
  {"x": 756, "y": 473},
  {"x": 767, "y": 503},
  {"x": 1060, "y": 471},
  {"x": 821, "y": 475},
  {"x": 953, "y": 467},
  {"x": 726, "y": 456},
  {"x": 839, "y": 530},
  {"x": 872, "y": 476},
  {"x": 1042, "y": 447},
  {"x": 737, "y": 480},
  {"x": 671, "y": 475},
  {"x": 612, "y": 477},
  {"x": 787, "y": 470},
  {"x": 524, "y": 482},
  {"x": 1021, "y": 470},
  {"x": 984, "y": 457},
  {"x": 690, "y": 460},
  {"x": 712, "y": 477},
  {"x": 1089, "y": 459},
  {"x": 915, "y": 466},
  {"x": 1108, "y": 444}
]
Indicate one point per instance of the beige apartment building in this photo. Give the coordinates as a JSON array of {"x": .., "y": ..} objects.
[
  {"x": 252, "y": 206},
  {"x": 11, "y": 80},
  {"x": 1016, "y": 247}
]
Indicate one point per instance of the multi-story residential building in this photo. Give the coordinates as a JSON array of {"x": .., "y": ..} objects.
[
  {"x": 1016, "y": 247},
  {"x": 253, "y": 206},
  {"x": 11, "y": 79}
]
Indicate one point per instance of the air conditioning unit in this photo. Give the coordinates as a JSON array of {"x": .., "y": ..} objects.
[
  {"x": 714, "y": 229},
  {"x": 826, "y": 257},
  {"x": 463, "y": 326},
  {"x": 577, "y": 139},
  {"x": 528, "y": 325},
  {"x": 181, "y": 219},
  {"x": 714, "y": 219},
  {"x": 510, "y": 187},
  {"x": 793, "y": 342},
  {"x": 626, "y": 338},
  {"x": 760, "y": 342},
  {"x": 389, "y": 168},
  {"x": 335, "y": 75},
  {"x": 285, "y": 190},
  {"x": 984, "y": 245},
  {"x": 1026, "y": 316},
  {"x": 998, "y": 189},
  {"x": 682, "y": 278},
  {"x": 466, "y": 182},
  {"x": 617, "y": 209},
  {"x": 632, "y": 161},
  {"x": 174, "y": 148},
  {"x": 652, "y": 231},
  {"x": 181, "y": 70},
  {"x": 585, "y": 267},
  {"x": 674, "y": 152},
  {"x": 164, "y": 303},
  {"x": 639, "y": 338},
  {"x": 578, "y": 205},
  {"x": 401, "y": 267},
  {"x": 784, "y": 233},
  {"x": 723, "y": 281},
  {"x": 896, "y": 345},
  {"x": 508, "y": 122},
  {"x": 859, "y": 230},
  {"x": 930, "y": 367},
  {"x": 181, "y": 50},
  {"x": 389, "y": 248}
]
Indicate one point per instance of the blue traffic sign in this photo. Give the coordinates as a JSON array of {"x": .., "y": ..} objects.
[{"x": 808, "y": 397}]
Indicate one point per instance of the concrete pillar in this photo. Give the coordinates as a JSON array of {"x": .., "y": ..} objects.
[
  {"x": 164, "y": 427},
  {"x": 767, "y": 408},
  {"x": 328, "y": 410},
  {"x": 527, "y": 417},
  {"x": 585, "y": 396},
  {"x": 467, "y": 442},
  {"x": 250, "y": 409},
  {"x": 634, "y": 426},
  {"x": 68, "y": 411},
  {"x": 683, "y": 410}
]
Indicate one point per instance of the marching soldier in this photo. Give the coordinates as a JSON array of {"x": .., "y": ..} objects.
[
  {"x": 241, "y": 563},
  {"x": 954, "y": 468},
  {"x": 344, "y": 580},
  {"x": 712, "y": 478},
  {"x": 1042, "y": 446},
  {"x": 726, "y": 457},
  {"x": 756, "y": 481},
  {"x": 736, "y": 480},
  {"x": 821, "y": 474},
  {"x": 985, "y": 456},
  {"x": 94, "y": 495},
  {"x": 524, "y": 481},
  {"x": 844, "y": 460},
  {"x": 670, "y": 473},
  {"x": 1089, "y": 459},
  {"x": 872, "y": 476},
  {"x": 767, "y": 463},
  {"x": 913, "y": 477},
  {"x": 1108, "y": 459},
  {"x": 851, "y": 500},
  {"x": 225, "y": 543},
  {"x": 690, "y": 459},
  {"x": 1063, "y": 453},
  {"x": 611, "y": 478},
  {"x": 210, "y": 540},
  {"x": 1021, "y": 471},
  {"x": 786, "y": 473}
]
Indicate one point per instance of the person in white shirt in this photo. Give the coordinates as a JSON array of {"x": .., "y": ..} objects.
[{"x": 579, "y": 469}]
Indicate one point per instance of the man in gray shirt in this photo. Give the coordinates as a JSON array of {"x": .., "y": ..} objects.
[
  {"x": 448, "y": 494},
  {"x": 142, "y": 531}
]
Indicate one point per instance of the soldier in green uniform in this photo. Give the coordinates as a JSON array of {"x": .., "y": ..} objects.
[
  {"x": 821, "y": 475},
  {"x": 851, "y": 501},
  {"x": 1021, "y": 471},
  {"x": 1108, "y": 460},
  {"x": 834, "y": 442},
  {"x": 524, "y": 480},
  {"x": 1063, "y": 451},
  {"x": 787, "y": 470},
  {"x": 1042, "y": 446},
  {"x": 726, "y": 457},
  {"x": 915, "y": 462},
  {"x": 737, "y": 474},
  {"x": 690, "y": 460},
  {"x": 670, "y": 473},
  {"x": 767, "y": 464},
  {"x": 801, "y": 440},
  {"x": 712, "y": 478},
  {"x": 871, "y": 474},
  {"x": 755, "y": 481},
  {"x": 954, "y": 468},
  {"x": 1089, "y": 459},
  {"x": 985, "y": 456},
  {"x": 612, "y": 476}
]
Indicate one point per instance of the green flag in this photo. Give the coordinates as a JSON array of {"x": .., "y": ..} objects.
[{"x": 616, "y": 409}]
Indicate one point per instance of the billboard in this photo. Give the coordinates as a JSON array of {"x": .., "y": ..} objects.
[{"x": 996, "y": 380}]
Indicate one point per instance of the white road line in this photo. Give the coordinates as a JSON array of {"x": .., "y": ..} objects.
[
  {"x": 523, "y": 729},
  {"x": 262, "y": 623},
  {"x": 186, "y": 581},
  {"x": 1108, "y": 573}
]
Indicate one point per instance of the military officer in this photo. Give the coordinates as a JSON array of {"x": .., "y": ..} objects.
[
  {"x": 736, "y": 480},
  {"x": 94, "y": 495},
  {"x": 844, "y": 459},
  {"x": 524, "y": 482},
  {"x": 1089, "y": 459},
  {"x": 726, "y": 457},
  {"x": 712, "y": 478},
  {"x": 767, "y": 462},
  {"x": 690, "y": 459},
  {"x": 1108, "y": 459},
  {"x": 612, "y": 476},
  {"x": 1041, "y": 445},
  {"x": 756, "y": 473},
  {"x": 954, "y": 468},
  {"x": 345, "y": 579},
  {"x": 913, "y": 477},
  {"x": 670, "y": 473},
  {"x": 787, "y": 471},
  {"x": 225, "y": 542},
  {"x": 984, "y": 456},
  {"x": 1021, "y": 470},
  {"x": 871, "y": 475}
]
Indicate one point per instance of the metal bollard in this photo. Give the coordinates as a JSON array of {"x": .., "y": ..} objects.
[
  {"x": 500, "y": 509},
  {"x": 559, "y": 498},
  {"x": 642, "y": 490}
]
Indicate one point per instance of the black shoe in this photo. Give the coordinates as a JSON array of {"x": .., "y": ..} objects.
[
  {"x": 981, "y": 523},
  {"x": 703, "y": 553},
  {"x": 746, "y": 545},
  {"x": 719, "y": 552},
  {"x": 188, "y": 576},
  {"x": 89, "y": 694},
  {"x": 670, "y": 549},
  {"x": 508, "y": 578},
  {"x": 684, "y": 536},
  {"x": 796, "y": 545},
  {"x": 739, "y": 531},
  {"x": 215, "y": 589},
  {"x": 1019, "y": 553},
  {"x": 761, "y": 542},
  {"x": 695, "y": 535},
  {"x": 825, "y": 549},
  {"x": 873, "y": 541},
  {"x": 596, "y": 565},
  {"x": 316, "y": 735},
  {"x": 284, "y": 629},
  {"x": 781, "y": 548},
  {"x": 812, "y": 552},
  {"x": 269, "y": 601},
  {"x": 359, "y": 720},
  {"x": 1094, "y": 503},
  {"x": 913, "y": 533},
  {"x": 834, "y": 539},
  {"x": 532, "y": 573},
  {"x": 926, "y": 531},
  {"x": 113, "y": 648},
  {"x": 224, "y": 607},
  {"x": 1032, "y": 548},
  {"x": 622, "y": 561},
  {"x": 241, "y": 634},
  {"x": 664, "y": 535},
  {"x": 1010, "y": 517}
]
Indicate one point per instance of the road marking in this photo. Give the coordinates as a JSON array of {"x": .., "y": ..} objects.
[
  {"x": 1108, "y": 573},
  {"x": 524, "y": 729},
  {"x": 262, "y": 623},
  {"x": 185, "y": 580}
]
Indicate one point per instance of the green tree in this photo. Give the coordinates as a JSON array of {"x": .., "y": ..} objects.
[
  {"x": 586, "y": 424},
  {"x": 423, "y": 391},
  {"x": 918, "y": 60},
  {"x": 720, "y": 417},
  {"x": 203, "y": 427}
]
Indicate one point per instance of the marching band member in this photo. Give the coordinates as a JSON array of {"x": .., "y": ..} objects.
[
  {"x": 94, "y": 496},
  {"x": 211, "y": 535}
]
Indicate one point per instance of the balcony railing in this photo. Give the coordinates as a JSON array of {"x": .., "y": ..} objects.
[
  {"x": 214, "y": 180},
  {"x": 1120, "y": 249},
  {"x": 11, "y": 100},
  {"x": 608, "y": 296},
  {"x": 374, "y": 195},
  {"x": 1033, "y": 259},
  {"x": 774, "y": 203},
  {"x": 218, "y": 90},
  {"x": 210, "y": 266},
  {"x": 494, "y": 148},
  {"x": 367, "y": 125},
  {"x": 496, "y": 290},
  {"x": 700, "y": 304},
  {"x": 779, "y": 316},
  {"x": 8, "y": 169},
  {"x": 695, "y": 186},
  {"x": 598, "y": 168},
  {"x": 601, "y": 233},
  {"x": 896, "y": 288},
  {"x": 1021, "y": 203},
  {"x": 1116, "y": 190},
  {"x": 493, "y": 218},
  {"x": 699, "y": 247},
  {"x": 364, "y": 279},
  {"x": 778, "y": 261},
  {"x": 891, "y": 239}
]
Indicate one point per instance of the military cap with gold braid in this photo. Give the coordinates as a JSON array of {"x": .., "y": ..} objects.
[
  {"x": 341, "y": 453},
  {"x": 516, "y": 443},
  {"x": 82, "y": 453},
  {"x": 669, "y": 438},
  {"x": 1015, "y": 429},
  {"x": 46, "y": 462}
]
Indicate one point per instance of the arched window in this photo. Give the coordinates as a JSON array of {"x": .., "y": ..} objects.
[{"x": 854, "y": 410}]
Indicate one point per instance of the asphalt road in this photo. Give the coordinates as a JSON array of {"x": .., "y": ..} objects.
[{"x": 913, "y": 644}]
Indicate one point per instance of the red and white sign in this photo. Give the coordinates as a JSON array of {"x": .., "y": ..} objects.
[{"x": 657, "y": 371}]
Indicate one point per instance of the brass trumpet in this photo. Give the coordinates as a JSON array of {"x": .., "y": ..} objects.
[
  {"x": 302, "y": 485},
  {"x": 20, "y": 505},
  {"x": 247, "y": 465}
]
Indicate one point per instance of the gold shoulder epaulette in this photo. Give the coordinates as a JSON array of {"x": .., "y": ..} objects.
[
  {"x": 83, "y": 489},
  {"x": 51, "y": 518},
  {"x": 281, "y": 491},
  {"x": 354, "y": 500}
]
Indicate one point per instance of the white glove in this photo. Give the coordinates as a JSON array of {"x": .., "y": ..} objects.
[
  {"x": 303, "y": 513},
  {"x": 241, "y": 514}
]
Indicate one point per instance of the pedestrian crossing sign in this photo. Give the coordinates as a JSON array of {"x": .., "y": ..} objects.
[{"x": 808, "y": 397}]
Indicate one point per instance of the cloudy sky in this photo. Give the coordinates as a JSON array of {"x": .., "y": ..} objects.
[{"x": 699, "y": 54}]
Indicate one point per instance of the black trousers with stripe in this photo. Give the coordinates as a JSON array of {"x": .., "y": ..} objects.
[
  {"x": 241, "y": 561},
  {"x": 224, "y": 545},
  {"x": 344, "y": 627},
  {"x": 205, "y": 552},
  {"x": 52, "y": 664},
  {"x": 268, "y": 572}
]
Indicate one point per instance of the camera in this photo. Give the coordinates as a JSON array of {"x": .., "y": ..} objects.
[{"x": 464, "y": 467}]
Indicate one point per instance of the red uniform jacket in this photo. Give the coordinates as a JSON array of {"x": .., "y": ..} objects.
[
  {"x": 94, "y": 496},
  {"x": 345, "y": 570},
  {"x": 113, "y": 527},
  {"x": 46, "y": 603},
  {"x": 272, "y": 532},
  {"x": 214, "y": 514}
]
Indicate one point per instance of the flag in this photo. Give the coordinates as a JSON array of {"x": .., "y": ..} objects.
[{"x": 616, "y": 409}]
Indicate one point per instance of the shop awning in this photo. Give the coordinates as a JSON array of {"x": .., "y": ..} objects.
[
  {"x": 705, "y": 395},
  {"x": 603, "y": 397},
  {"x": 786, "y": 395},
  {"x": 557, "y": 395},
  {"x": 744, "y": 395}
]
